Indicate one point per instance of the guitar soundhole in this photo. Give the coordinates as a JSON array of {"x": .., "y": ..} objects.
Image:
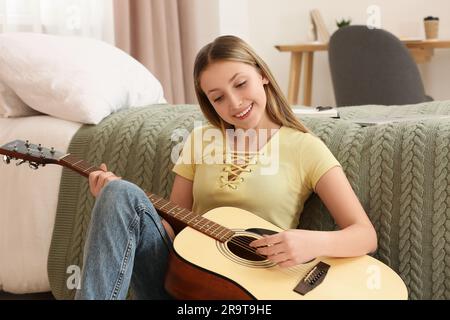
[{"x": 239, "y": 246}]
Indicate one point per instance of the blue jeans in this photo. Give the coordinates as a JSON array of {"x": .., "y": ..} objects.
[{"x": 126, "y": 247}]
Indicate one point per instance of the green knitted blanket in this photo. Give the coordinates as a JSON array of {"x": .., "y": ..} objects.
[{"x": 400, "y": 173}]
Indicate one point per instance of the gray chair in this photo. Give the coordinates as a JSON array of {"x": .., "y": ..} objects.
[{"x": 372, "y": 66}]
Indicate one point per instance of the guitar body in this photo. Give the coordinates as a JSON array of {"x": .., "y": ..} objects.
[{"x": 204, "y": 268}]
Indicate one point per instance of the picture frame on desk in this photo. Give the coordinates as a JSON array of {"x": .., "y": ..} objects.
[{"x": 321, "y": 32}]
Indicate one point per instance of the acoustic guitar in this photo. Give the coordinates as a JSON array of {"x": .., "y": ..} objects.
[{"x": 212, "y": 258}]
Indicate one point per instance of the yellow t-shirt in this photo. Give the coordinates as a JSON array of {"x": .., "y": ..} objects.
[{"x": 273, "y": 182}]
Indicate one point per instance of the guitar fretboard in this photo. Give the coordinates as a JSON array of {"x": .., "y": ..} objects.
[
  {"x": 80, "y": 166},
  {"x": 183, "y": 215},
  {"x": 195, "y": 221}
]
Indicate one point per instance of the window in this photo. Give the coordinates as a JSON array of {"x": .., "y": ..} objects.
[{"x": 89, "y": 18}]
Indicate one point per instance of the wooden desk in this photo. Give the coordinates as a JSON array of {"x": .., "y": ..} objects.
[{"x": 421, "y": 50}]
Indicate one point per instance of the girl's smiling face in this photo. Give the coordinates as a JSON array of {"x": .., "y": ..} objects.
[{"x": 236, "y": 91}]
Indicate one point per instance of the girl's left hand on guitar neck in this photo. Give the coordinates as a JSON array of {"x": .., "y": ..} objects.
[{"x": 99, "y": 179}]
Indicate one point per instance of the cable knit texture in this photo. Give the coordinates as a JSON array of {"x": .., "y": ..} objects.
[{"x": 400, "y": 173}]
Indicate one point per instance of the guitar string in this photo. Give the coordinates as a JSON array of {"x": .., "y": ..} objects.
[
  {"x": 290, "y": 271},
  {"x": 246, "y": 247},
  {"x": 245, "y": 243},
  {"x": 242, "y": 244}
]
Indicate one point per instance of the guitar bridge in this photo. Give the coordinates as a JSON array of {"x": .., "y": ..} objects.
[{"x": 313, "y": 278}]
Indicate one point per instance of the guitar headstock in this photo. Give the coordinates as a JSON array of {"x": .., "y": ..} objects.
[{"x": 24, "y": 151}]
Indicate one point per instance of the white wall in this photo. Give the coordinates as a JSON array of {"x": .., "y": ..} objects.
[
  {"x": 234, "y": 18},
  {"x": 199, "y": 24},
  {"x": 265, "y": 23}
]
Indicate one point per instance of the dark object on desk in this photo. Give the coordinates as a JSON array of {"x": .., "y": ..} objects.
[
  {"x": 322, "y": 108},
  {"x": 372, "y": 66},
  {"x": 319, "y": 111}
]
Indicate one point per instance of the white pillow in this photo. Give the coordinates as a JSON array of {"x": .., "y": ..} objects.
[
  {"x": 11, "y": 105},
  {"x": 74, "y": 78}
]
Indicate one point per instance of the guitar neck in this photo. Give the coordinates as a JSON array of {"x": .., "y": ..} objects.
[
  {"x": 167, "y": 209},
  {"x": 80, "y": 166}
]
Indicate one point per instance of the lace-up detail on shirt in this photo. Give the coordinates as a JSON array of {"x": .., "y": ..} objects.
[{"x": 240, "y": 162}]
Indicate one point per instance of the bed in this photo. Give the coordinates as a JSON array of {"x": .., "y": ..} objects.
[
  {"x": 28, "y": 201},
  {"x": 399, "y": 171}
]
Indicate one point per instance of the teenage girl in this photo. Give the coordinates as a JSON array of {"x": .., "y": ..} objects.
[{"x": 128, "y": 242}]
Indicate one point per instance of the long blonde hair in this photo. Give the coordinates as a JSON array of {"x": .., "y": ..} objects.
[{"x": 231, "y": 48}]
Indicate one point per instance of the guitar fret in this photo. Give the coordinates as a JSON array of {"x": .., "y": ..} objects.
[
  {"x": 197, "y": 222},
  {"x": 194, "y": 216},
  {"x": 79, "y": 167},
  {"x": 213, "y": 228},
  {"x": 204, "y": 223},
  {"x": 222, "y": 230},
  {"x": 186, "y": 212},
  {"x": 172, "y": 206},
  {"x": 74, "y": 164},
  {"x": 162, "y": 207},
  {"x": 228, "y": 235},
  {"x": 87, "y": 170},
  {"x": 169, "y": 206},
  {"x": 224, "y": 237},
  {"x": 73, "y": 159},
  {"x": 68, "y": 158},
  {"x": 78, "y": 164},
  {"x": 83, "y": 165},
  {"x": 176, "y": 214},
  {"x": 183, "y": 214},
  {"x": 208, "y": 225},
  {"x": 176, "y": 208},
  {"x": 156, "y": 202}
]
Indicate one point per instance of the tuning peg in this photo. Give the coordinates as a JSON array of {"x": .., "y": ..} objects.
[
  {"x": 27, "y": 144},
  {"x": 7, "y": 159},
  {"x": 39, "y": 147},
  {"x": 52, "y": 150},
  {"x": 33, "y": 165},
  {"x": 20, "y": 162}
]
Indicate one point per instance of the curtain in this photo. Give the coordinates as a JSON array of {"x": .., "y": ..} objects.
[
  {"x": 88, "y": 18},
  {"x": 149, "y": 30}
]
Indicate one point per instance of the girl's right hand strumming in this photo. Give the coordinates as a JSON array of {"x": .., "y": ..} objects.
[{"x": 99, "y": 179}]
